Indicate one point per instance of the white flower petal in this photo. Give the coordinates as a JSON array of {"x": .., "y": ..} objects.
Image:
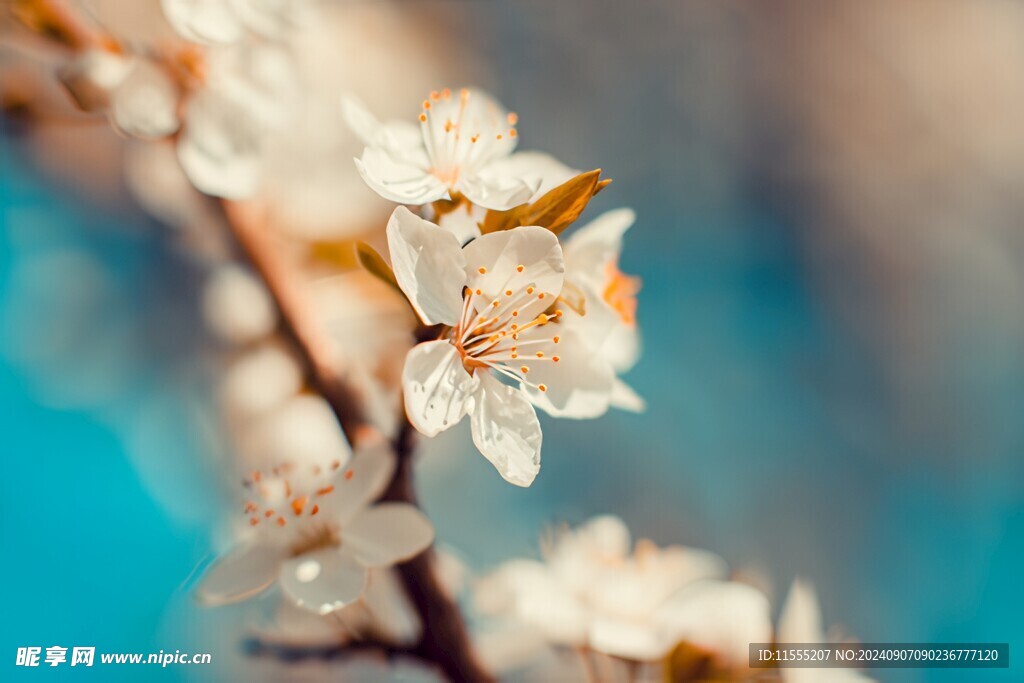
[
  {"x": 438, "y": 390},
  {"x": 394, "y": 135},
  {"x": 323, "y": 580},
  {"x": 220, "y": 148},
  {"x": 496, "y": 192},
  {"x": 506, "y": 431},
  {"x": 589, "y": 249},
  {"x": 625, "y": 398},
  {"x": 243, "y": 572},
  {"x": 361, "y": 483},
  {"x": 145, "y": 104},
  {"x": 429, "y": 266},
  {"x": 463, "y": 222},
  {"x": 203, "y": 21},
  {"x": 399, "y": 179},
  {"x": 800, "y": 621},
  {"x": 721, "y": 616},
  {"x": 500, "y": 254},
  {"x": 637, "y": 641},
  {"x": 387, "y": 533},
  {"x": 579, "y": 385},
  {"x": 539, "y": 170}
]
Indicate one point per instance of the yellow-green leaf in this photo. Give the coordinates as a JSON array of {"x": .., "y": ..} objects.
[{"x": 375, "y": 263}]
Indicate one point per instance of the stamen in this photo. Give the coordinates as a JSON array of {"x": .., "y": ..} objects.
[
  {"x": 280, "y": 521},
  {"x": 253, "y": 521},
  {"x": 325, "y": 490},
  {"x": 524, "y": 369},
  {"x": 512, "y": 118},
  {"x": 556, "y": 358},
  {"x": 316, "y": 509},
  {"x": 299, "y": 504},
  {"x": 483, "y": 271},
  {"x": 556, "y": 339},
  {"x": 520, "y": 268},
  {"x": 268, "y": 514},
  {"x": 542, "y": 387},
  {"x": 349, "y": 475}
]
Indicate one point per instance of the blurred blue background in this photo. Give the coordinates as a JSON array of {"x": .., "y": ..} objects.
[{"x": 833, "y": 354}]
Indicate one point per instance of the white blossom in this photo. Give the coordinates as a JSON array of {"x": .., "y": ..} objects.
[
  {"x": 503, "y": 349},
  {"x": 593, "y": 591},
  {"x": 318, "y": 533},
  {"x": 464, "y": 147}
]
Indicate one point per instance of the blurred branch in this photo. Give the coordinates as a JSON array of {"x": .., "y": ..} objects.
[{"x": 445, "y": 640}]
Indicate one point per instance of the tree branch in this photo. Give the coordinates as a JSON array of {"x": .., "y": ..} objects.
[{"x": 445, "y": 641}]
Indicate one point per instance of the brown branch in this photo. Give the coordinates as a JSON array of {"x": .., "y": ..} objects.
[{"x": 445, "y": 641}]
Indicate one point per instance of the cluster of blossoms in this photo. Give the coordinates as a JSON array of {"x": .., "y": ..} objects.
[
  {"x": 215, "y": 75},
  {"x": 670, "y": 608},
  {"x": 514, "y": 318}
]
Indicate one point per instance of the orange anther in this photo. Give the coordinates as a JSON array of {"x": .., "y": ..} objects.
[
  {"x": 325, "y": 490},
  {"x": 299, "y": 504}
]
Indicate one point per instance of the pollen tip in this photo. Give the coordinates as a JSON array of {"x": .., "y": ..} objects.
[
  {"x": 520, "y": 268},
  {"x": 268, "y": 514},
  {"x": 325, "y": 490},
  {"x": 512, "y": 133},
  {"x": 349, "y": 475},
  {"x": 557, "y": 339},
  {"x": 253, "y": 521},
  {"x": 498, "y": 136},
  {"x": 281, "y": 521},
  {"x": 529, "y": 290},
  {"x": 482, "y": 270},
  {"x": 512, "y": 118},
  {"x": 434, "y": 95},
  {"x": 446, "y": 93},
  {"x": 423, "y": 118},
  {"x": 541, "y": 295},
  {"x": 478, "y": 292},
  {"x": 316, "y": 509},
  {"x": 299, "y": 504},
  {"x": 540, "y": 354},
  {"x": 542, "y": 387},
  {"x": 524, "y": 369},
  {"x": 555, "y": 358},
  {"x": 508, "y": 292}
]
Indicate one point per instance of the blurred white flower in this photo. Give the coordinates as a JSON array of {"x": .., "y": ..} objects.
[
  {"x": 236, "y": 305},
  {"x": 464, "y": 146},
  {"x": 226, "y": 96},
  {"x": 609, "y": 323},
  {"x": 497, "y": 298},
  {"x": 800, "y": 622},
  {"x": 319, "y": 534},
  {"x": 592, "y": 591},
  {"x": 371, "y": 328}
]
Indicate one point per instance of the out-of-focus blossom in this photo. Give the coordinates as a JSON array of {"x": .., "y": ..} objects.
[
  {"x": 592, "y": 591},
  {"x": 371, "y": 328},
  {"x": 225, "y": 96},
  {"x": 228, "y": 21},
  {"x": 608, "y": 296},
  {"x": 497, "y": 297},
  {"x": 464, "y": 146},
  {"x": 800, "y": 622},
  {"x": 236, "y": 305},
  {"x": 318, "y": 533}
]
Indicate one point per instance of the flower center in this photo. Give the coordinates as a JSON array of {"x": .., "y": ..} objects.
[
  {"x": 288, "y": 492},
  {"x": 452, "y": 147},
  {"x": 504, "y": 335},
  {"x": 620, "y": 292}
]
